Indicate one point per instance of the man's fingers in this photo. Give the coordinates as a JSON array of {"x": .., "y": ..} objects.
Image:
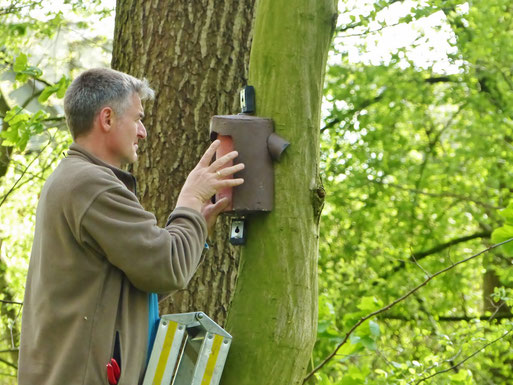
[
  {"x": 230, "y": 183},
  {"x": 227, "y": 171},
  {"x": 209, "y": 154},
  {"x": 212, "y": 210},
  {"x": 219, "y": 163}
]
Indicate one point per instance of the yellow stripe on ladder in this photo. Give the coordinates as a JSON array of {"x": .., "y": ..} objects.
[
  {"x": 164, "y": 353},
  {"x": 211, "y": 363}
]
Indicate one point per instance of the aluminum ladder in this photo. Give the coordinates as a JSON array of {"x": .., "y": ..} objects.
[{"x": 189, "y": 349}]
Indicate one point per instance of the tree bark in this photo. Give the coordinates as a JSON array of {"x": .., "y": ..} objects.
[
  {"x": 195, "y": 55},
  {"x": 273, "y": 316}
]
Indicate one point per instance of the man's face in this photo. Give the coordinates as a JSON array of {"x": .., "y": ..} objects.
[{"x": 127, "y": 129}]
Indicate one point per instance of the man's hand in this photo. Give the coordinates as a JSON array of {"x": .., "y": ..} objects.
[
  {"x": 206, "y": 179},
  {"x": 211, "y": 210}
]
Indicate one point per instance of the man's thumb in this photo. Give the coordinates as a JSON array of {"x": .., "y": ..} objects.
[{"x": 220, "y": 205}]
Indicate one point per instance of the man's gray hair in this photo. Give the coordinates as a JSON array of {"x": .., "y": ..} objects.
[{"x": 95, "y": 89}]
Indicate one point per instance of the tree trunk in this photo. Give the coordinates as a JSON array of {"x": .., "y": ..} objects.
[
  {"x": 490, "y": 282},
  {"x": 5, "y": 151},
  {"x": 195, "y": 55},
  {"x": 273, "y": 316},
  {"x": 10, "y": 311}
]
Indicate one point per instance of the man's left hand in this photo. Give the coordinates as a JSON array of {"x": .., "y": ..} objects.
[{"x": 211, "y": 210}]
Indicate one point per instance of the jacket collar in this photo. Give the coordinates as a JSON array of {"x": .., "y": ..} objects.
[{"x": 125, "y": 177}]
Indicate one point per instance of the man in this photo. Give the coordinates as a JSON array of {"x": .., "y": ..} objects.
[{"x": 97, "y": 254}]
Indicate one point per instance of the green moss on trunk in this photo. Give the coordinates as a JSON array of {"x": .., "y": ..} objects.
[{"x": 273, "y": 316}]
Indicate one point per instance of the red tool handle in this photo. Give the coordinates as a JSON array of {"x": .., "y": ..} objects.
[{"x": 113, "y": 372}]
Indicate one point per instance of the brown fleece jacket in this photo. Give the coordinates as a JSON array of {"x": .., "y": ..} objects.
[{"x": 96, "y": 255}]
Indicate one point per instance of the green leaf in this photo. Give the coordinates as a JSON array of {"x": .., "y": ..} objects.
[
  {"x": 369, "y": 343},
  {"x": 21, "y": 77},
  {"x": 15, "y": 115},
  {"x": 10, "y": 137},
  {"x": 374, "y": 328},
  {"x": 507, "y": 214},
  {"x": 47, "y": 92},
  {"x": 354, "y": 339},
  {"x": 502, "y": 234},
  {"x": 58, "y": 88},
  {"x": 369, "y": 304},
  {"x": 64, "y": 83},
  {"x": 20, "y": 63},
  {"x": 348, "y": 349},
  {"x": 460, "y": 376},
  {"x": 22, "y": 126},
  {"x": 34, "y": 72},
  {"x": 350, "y": 380}
]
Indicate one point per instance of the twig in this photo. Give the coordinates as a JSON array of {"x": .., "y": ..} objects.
[
  {"x": 9, "y": 350},
  {"x": 39, "y": 175},
  {"x": 8, "y": 363},
  {"x": 18, "y": 180},
  {"x": 418, "y": 255},
  {"x": 369, "y": 31},
  {"x": 382, "y": 355},
  {"x": 497, "y": 308},
  {"x": 450, "y": 360},
  {"x": 359, "y": 23},
  {"x": 397, "y": 317},
  {"x": 11, "y": 302},
  {"x": 466, "y": 359},
  {"x": 418, "y": 264},
  {"x": 395, "y": 302},
  {"x": 14, "y": 8},
  {"x": 439, "y": 195},
  {"x": 35, "y": 94},
  {"x": 23, "y": 174},
  {"x": 55, "y": 119}
]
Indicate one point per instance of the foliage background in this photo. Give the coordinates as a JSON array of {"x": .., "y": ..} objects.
[
  {"x": 42, "y": 46},
  {"x": 417, "y": 138}
]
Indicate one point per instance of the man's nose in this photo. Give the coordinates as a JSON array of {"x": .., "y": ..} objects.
[{"x": 141, "y": 131}]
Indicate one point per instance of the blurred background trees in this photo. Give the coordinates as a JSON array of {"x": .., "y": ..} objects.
[
  {"x": 417, "y": 154},
  {"x": 42, "y": 46}
]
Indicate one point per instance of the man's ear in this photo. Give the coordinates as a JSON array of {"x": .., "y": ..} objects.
[{"x": 105, "y": 119}]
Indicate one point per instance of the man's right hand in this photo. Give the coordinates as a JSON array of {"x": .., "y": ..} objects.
[{"x": 206, "y": 179}]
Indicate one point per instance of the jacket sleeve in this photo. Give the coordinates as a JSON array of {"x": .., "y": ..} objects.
[{"x": 154, "y": 259}]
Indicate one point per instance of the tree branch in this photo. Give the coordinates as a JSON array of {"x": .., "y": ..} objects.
[
  {"x": 10, "y": 350},
  {"x": 359, "y": 23},
  {"x": 368, "y": 102},
  {"x": 30, "y": 177},
  {"x": 395, "y": 302},
  {"x": 11, "y": 302},
  {"x": 466, "y": 359},
  {"x": 448, "y": 318},
  {"x": 8, "y": 363},
  {"x": 440, "y": 79},
  {"x": 419, "y": 255},
  {"x": 440, "y": 195},
  {"x": 23, "y": 174},
  {"x": 59, "y": 118},
  {"x": 367, "y": 32},
  {"x": 14, "y": 7},
  {"x": 364, "y": 104}
]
